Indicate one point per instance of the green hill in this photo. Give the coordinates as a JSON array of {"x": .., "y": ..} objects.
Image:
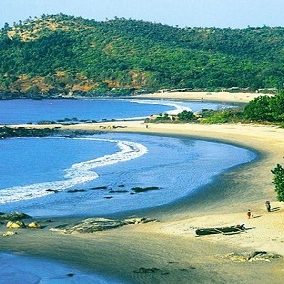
[{"x": 64, "y": 54}]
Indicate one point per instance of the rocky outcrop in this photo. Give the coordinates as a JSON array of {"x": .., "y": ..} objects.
[
  {"x": 15, "y": 225},
  {"x": 14, "y": 216},
  {"x": 251, "y": 257},
  {"x": 92, "y": 225}
]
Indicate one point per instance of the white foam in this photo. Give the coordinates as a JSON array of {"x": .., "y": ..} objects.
[
  {"x": 178, "y": 106},
  {"x": 78, "y": 173}
]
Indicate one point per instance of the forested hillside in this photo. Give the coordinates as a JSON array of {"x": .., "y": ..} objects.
[{"x": 63, "y": 54}]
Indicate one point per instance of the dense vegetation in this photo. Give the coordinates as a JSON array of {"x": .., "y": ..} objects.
[
  {"x": 278, "y": 180},
  {"x": 63, "y": 54},
  {"x": 264, "y": 109}
]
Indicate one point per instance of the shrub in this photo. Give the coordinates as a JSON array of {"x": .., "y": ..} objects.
[
  {"x": 278, "y": 181},
  {"x": 266, "y": 108},
  {"x": 186, "y": 116}
]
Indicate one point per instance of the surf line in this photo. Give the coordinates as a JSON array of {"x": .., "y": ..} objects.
[
  {"x": 78, "y": 173},
  {"x": 178, "y": 106}
]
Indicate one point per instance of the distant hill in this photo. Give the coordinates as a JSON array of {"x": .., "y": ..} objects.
[{"x": 64, "y": 54}]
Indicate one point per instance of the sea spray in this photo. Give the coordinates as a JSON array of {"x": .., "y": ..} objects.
[{"x": 78, "y": 173}]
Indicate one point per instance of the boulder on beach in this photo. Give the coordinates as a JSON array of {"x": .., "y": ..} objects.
[
  {"x": 15, "y": 225},
  {"x": 92, "y": 225},
  {"x": 9, "y": 234},
  {"x": 34, "y": 225}
]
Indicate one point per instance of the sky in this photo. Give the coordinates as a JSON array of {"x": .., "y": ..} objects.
[{"x": 190, "y": 13}]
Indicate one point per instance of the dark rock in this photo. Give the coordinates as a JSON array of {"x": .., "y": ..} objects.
[
  {"x": 147, "y": 270},
  {"x": 99, "y": 187},
  {"x": 108, "y": 197},
  {"x": 14, "y": 216},
  {"x": 75, "y": 190},
  {"x": 70, "y": 274},
  {"x": 121, "y": 185},
  {"x": 52, "y": 190},
  {"x": 144, "y": 189},
  {"x": 165, "y": 273}
]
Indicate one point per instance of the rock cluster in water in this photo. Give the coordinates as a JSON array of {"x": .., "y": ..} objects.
[{"x": 92, "y": 225}]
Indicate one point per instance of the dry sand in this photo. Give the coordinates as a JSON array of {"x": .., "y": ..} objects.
[
  {"x": 204, "y": 96},
  {"x": 170, "y": 245}
]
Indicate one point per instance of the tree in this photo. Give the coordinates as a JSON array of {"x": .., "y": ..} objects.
[
  {"x": 186, "y": 116},
  {"x": 278, "y": 181},
  {"x": 259, "y": 109},
  {"x": 277, "y": 106}
]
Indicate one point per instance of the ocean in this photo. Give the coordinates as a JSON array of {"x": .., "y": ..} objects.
[
  {"x": 106, "y": 168},
  {"x": 33, "y": 111}
]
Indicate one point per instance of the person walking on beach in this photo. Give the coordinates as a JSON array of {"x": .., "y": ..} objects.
[
  {"x": 249, "y": 214},
  {"x": 268, "y": 206}
]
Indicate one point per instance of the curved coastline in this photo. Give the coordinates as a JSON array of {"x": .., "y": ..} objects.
[
  {"x": 172, "y": 239},
  {"x": 78, "y": 173}
]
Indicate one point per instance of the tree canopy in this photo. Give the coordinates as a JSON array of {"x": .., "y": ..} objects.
[{"x": 61, "y": 53}]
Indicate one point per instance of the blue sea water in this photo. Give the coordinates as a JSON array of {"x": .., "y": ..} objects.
[
  {"x": 178, "y": 166},
  {"x": 26, "y": 111}
]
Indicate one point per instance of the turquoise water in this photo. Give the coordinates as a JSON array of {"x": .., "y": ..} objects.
[
  {"x": 178, "y": 166},
  {"x": 25, "y": 111},
  {"x": 20, "y": 269}
]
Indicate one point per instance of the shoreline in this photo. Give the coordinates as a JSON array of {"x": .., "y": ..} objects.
[
  {"x": 252, "y": 186},
  {"x": 170, "y": 244},
  {"x": 225, "y": 97}
]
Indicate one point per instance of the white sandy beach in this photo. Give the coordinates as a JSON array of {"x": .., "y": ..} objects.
[{"x": 204, "y": 96}]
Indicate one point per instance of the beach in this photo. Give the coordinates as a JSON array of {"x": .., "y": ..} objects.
[
  {"x": 169, "y": 248},
  {"x": 225, "y": 97},
  {"x": 170, "y": 245}
]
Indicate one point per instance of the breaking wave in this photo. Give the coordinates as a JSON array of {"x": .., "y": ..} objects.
[
  {"x": 78, "y": 173},
  {"x": 178, "y": 106}
]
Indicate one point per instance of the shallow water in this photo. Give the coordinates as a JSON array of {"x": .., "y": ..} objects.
[
  {"x": 178, "y": 166},
  {"x": 19, "y": 269}
]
